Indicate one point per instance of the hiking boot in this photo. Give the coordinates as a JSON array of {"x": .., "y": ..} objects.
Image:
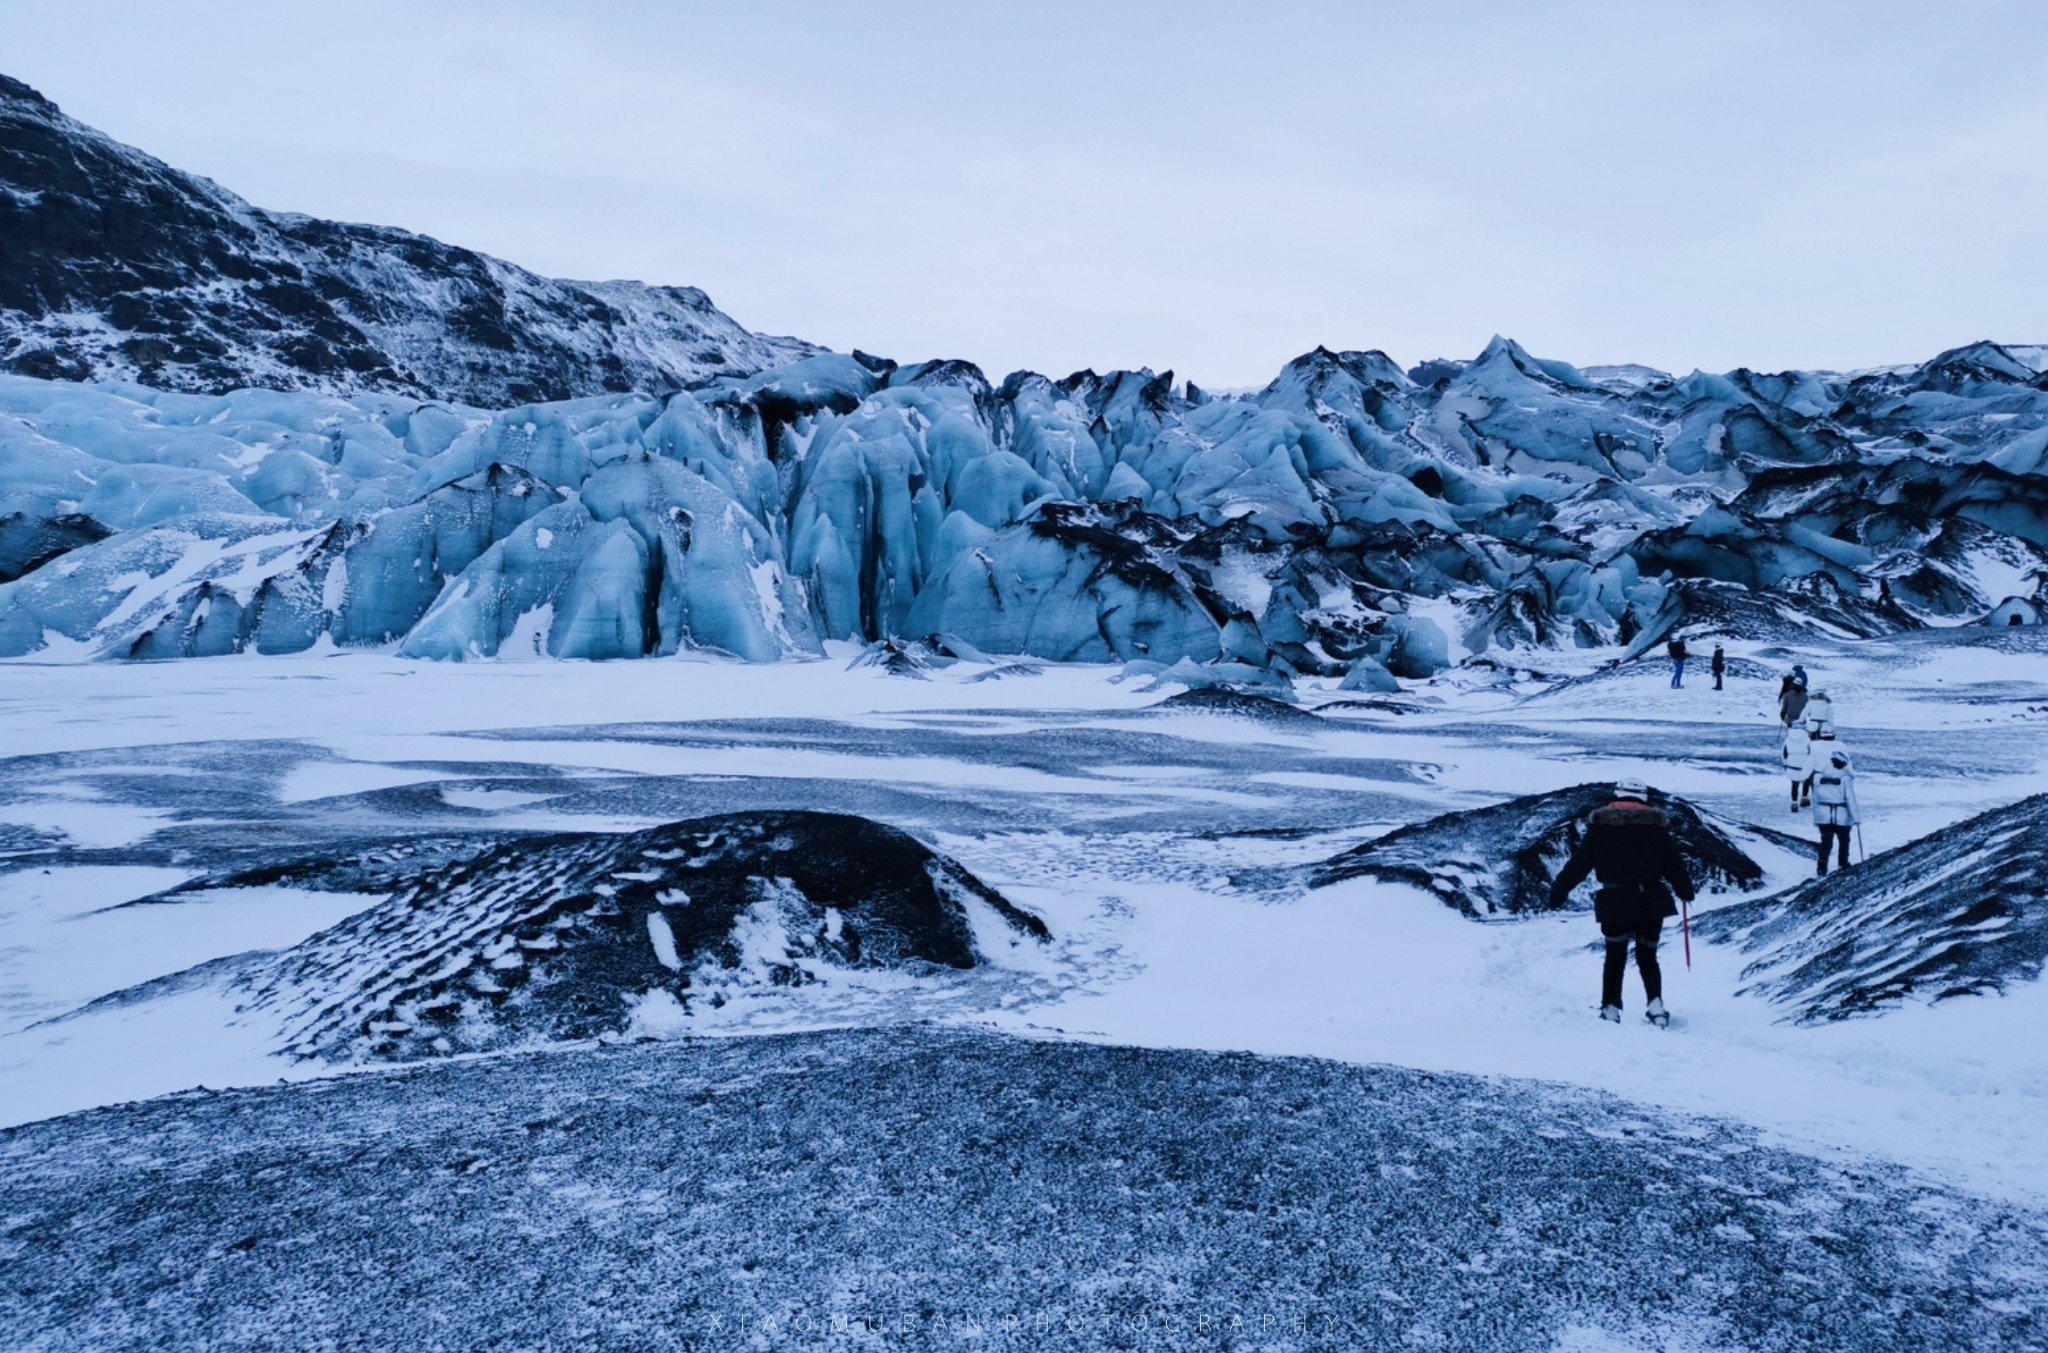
[
  {"x": 1611, "y": 1013},
  {"x": 1657, "y": 1014}
]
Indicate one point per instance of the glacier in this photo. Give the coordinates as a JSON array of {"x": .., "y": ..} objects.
[
  {"x": 1347, "y": 520},
  {"x": 225, "y": 429}
]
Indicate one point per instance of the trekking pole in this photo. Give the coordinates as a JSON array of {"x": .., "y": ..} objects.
[
  {"x": 1685, "y": 929},
  {"x": 1861, "y": 853}
]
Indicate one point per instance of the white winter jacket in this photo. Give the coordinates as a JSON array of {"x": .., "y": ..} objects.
[
  {"x": 1819, "y": 709},
  {"x": 1834, "y": 789},
  {"x": 1797, "y": 753}
]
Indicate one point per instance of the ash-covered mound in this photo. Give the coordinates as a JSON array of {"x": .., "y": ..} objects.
[
  {"x": 915, "y": 657},
  {"x": 1501, "y": 860},
  {"x": 565, "y": 936},
  {"x": 1958, "y": 913},
  {"x": 372, "y": 864},
  {"x": 1240, "y": 704},
  {"x": 924, "y": 1189}
]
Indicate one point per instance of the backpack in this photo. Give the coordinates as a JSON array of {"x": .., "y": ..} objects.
[{"x": 1830, "y": 788}]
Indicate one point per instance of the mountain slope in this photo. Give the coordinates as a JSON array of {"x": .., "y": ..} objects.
[{"x": 118, "y": 266}]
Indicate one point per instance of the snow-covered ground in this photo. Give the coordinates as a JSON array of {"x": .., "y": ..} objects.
[
  {"x": 1165, "y": 851},
  {"x": 1361, "y": 971}
]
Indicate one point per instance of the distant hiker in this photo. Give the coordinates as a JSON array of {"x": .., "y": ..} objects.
[
  {"x": 1835, "y": 810},
  {"x": 1797, "y": 754},
  {"x": 1628, "y": 846},
  {"x": 1676, "y": 648},
  {"x": 1792, "y": 699},
  {"x": 1821, "y": 710},
  {"x": 1820, "y": 741},
  {"x": 1720, "y": 665}
]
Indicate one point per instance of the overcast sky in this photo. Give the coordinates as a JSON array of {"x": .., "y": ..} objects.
[{"x": 1207, "y": 188}]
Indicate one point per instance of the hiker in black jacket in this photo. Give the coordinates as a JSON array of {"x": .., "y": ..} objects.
[
  {"x": 1719, "y": 665},
  {"x": 1676, "y": 651},
  {"x": 1628, "y": 845}
]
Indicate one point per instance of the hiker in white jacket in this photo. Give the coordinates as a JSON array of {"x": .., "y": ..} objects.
[
  {"x": 1819, "y": 709},
  {"x": 1797, "y": 754},
  {"x": 1835, "y": 810}
]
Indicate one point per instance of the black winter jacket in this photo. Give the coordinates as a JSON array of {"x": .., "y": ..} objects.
[{"x": 1628, "y": 846}]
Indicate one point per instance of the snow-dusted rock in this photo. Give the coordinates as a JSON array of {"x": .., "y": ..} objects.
[
  {"x": 566, "y": 936},
  {"x": 1499, "y": 861},
  {"x": 1963, "y": 912}
]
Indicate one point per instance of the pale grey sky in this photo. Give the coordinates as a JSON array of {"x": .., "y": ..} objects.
[{"x": 1211, "y": 188}]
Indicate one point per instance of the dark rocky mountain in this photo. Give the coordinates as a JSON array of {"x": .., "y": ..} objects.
[
  {"x": 1960, "y": 913},
  {"x": 118, "y": 266}
]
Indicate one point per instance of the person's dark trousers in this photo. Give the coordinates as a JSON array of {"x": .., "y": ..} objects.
[
  {"x": 1840, "y": 834},
  {"x": 1645, "y": 940},
  {"x": 1717, "y": 681}
]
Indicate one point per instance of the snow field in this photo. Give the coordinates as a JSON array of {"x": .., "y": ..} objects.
[{"x": 1156, "y": 944}]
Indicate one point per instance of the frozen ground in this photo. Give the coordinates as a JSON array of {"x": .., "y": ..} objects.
[
  {"x": 1167, "y": 854},
  {"x": 921, "y": 1188}
]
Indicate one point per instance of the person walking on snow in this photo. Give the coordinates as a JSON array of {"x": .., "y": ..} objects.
[
  {"x": 1821, "y": 710},
  {"x": 1797, "y": 754},
  {"x": 1820, "y": 745},
  {"x": 1676, "y": 648},
  {"x": 1628, "y": 845},
  {"x": 1792, "y": 699},
  {"x": 1835, "y": 810},
  {"x": 1720, "y": 665}
]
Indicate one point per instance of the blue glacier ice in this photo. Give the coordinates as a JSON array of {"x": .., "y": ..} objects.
[{"x": 1350, "y": 519}]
